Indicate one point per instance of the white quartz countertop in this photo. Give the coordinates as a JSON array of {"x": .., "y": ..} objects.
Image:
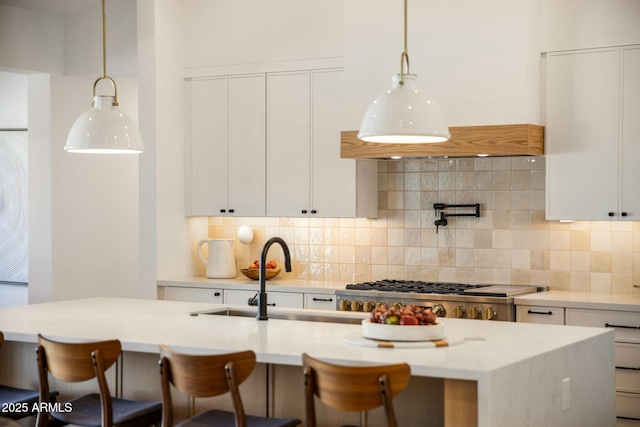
[
  {"x": 142, "y": 325},
  {"x": 277, "y": 284},
  {"x": 618, "y": 302}
]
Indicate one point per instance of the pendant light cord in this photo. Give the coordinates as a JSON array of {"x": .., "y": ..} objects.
[
  {"x": 104, "y": 59},
  {"x": 405, "y": 53}
]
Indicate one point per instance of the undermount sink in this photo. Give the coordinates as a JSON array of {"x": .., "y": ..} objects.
[{"x": 307, "y": 317}]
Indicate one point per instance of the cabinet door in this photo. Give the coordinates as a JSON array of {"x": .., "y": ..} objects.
[
  {"x": 288, "y": 135},
  {"x": 247, "y": 145},
  {"x": 333, "y": 180},
  {"x": 630, "y": 155},
  {"x": 207, "y": 147},
  {"x": 582, "y": 135},
  {"x": 193, "y": 294}
]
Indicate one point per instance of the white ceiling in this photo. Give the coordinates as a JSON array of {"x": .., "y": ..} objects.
[{"x": 60, "y": 7}]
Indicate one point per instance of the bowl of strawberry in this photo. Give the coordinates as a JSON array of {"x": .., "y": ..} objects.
[{"x": 408, "y": 323}]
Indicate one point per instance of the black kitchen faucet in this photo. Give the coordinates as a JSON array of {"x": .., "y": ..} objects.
[{"x": 262, "y": 296}]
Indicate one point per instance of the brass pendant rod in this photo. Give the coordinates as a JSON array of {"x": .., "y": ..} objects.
[
  {"x": 104, "y": 59},
  {"x": 404, "y": 58}
]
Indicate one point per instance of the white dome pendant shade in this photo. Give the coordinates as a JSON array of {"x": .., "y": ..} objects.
[
  {"x": 404, "y": 115},
  {"x": 104, "y": 129}
]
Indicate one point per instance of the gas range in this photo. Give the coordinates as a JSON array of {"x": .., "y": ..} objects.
[{"x": 471, "y": 301}]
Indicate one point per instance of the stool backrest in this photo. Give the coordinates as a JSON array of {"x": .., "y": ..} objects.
[
  {"x": 1, "y": 338},
  {"x": 353, "y": 388},
  {"x": 74, "y": 362},
  {"x": 200, "y": 375}
]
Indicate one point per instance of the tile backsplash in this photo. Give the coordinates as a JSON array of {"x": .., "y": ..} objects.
[{"x": 511, "y": 242}]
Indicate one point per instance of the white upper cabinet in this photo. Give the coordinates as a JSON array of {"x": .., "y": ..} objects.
[
  {"x": 305, "y": 174},
  {"x": 207, "y": 185},
  {"x": 226, "y": 146},
  {"x": 592, "y": 137},
  {"x": 288, "y": 143},
  {"x": 630, "y": 155}
]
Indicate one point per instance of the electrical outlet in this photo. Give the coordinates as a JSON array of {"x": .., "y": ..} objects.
[{"x": 566, "y": 394}]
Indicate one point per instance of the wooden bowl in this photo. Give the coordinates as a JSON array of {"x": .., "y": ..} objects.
[
  {"x": 381, "y": 331},
  {"x": 254, "y": 273}
]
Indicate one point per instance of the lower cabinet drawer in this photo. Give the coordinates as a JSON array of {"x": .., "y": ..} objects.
[
  {"x": 538, "y": 314},
  {"x": 628, "y": 368},
  {"x": 628, "y": 407},
  {"x": 625, "y": 323},
  {"x": 320, "y": 301},
  {"x": 193, "y": 294},
  {"x": 274, "y": 299}
]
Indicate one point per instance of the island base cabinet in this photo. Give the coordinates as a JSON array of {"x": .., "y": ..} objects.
[
  {"x": 425, "y": 402},
  {"x": 627, "y": 409}
]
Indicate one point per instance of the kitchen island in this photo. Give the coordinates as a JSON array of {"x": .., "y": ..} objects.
[{"x": 503, "y": 374}]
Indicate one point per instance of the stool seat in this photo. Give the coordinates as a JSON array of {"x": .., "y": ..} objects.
[
  {"x": 87, "y": 410},
  {"x": 17, "y": 403}
]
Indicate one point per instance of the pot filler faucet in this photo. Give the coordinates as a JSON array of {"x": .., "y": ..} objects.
[{"x": 262, "y": 297}]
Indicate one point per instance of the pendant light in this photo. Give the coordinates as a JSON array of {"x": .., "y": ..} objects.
[
  {"x": 404, "y": 114},
  {"x": 104, "y": 128}
]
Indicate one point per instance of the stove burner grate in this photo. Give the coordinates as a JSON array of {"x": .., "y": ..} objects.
[{"x": 414, "y": 286}]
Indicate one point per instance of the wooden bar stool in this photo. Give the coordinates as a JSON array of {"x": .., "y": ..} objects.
[
  {"x": 17, "y": 403},
  {"x": 207, "y": 376},
  {"x": 353, "y": 388},
  {"x": 75, "y": 362}
]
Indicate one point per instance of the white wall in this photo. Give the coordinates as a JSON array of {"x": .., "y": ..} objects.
[
  {"x": 582, "y": 24},
  {"x": 83, "y": 210},
  {"x": 13, "y": 101},
  {"x": 479, "y": 60},
  {"x": 167, "y": 237},
  {"x": 83, "y": 40},
  {"x": 30, "y": 40},
  {"x": 224, "y": 32}
]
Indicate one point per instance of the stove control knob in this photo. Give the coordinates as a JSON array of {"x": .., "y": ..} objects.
[
  {"x": 396, "y": 305},
  {"x": 474, "y": 312},
  {"x": 368, "y": 306},
  {"x": 489, "y": 314},
  {"x": 356, "y": 305},
  {"x": 345, "y": 305},
  {"x": 381, "y": 304},
  {"x": 458, "y": 311},
  {"x": 439, "y": 310}
]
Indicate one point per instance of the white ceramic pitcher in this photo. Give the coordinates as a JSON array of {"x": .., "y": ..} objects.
[{"x": 221, "y": 263}]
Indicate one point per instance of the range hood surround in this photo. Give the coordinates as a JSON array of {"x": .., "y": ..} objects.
[{"x": 466, "y": 141}]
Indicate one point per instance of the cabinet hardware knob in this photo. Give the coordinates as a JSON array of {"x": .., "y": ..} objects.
[
  {"x": 611, "y": 213},
  {"x": 304, "y": 211},
  {"x": 216, "y": 294},
  {"x": 624, "y": 214},
  {"x": 313, "y": 211},
  {"x": 223, "y": 210},
  {"x": 231, "y": 210}
]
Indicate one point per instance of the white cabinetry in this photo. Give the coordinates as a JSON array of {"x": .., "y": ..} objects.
[
  {"x": 226, "y": 146},
  {"x": 274, "y": 299},
  {"x": 320, "y": 301},
  {"x": 305, "y": 174},
  {"x": 627, "y": 330},
  {"x": 592, "y": 134},
  {"x": 193, "y": 294},
  {"x": 540, "y": 314}
]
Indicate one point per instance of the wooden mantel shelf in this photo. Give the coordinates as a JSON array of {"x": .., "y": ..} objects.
[{"x": 466, "y": 141}]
